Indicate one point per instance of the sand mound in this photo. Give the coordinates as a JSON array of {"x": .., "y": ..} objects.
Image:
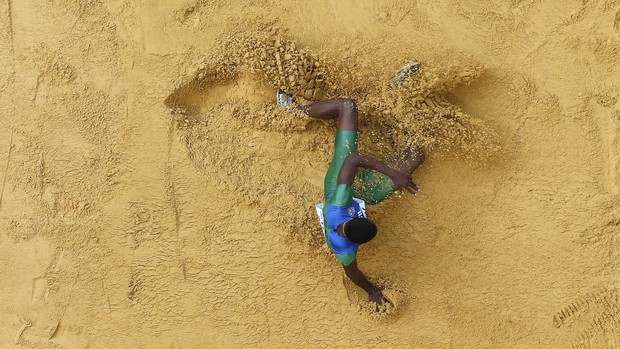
[{"x": 224, "y": 109}]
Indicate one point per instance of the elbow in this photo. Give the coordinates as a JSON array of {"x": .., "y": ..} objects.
[
  {"x": 348, "y": 104},
  {"x": 354, "y": 158}
]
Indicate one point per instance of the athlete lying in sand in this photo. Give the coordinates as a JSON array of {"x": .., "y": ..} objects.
[{"x": 346, "y": 227}]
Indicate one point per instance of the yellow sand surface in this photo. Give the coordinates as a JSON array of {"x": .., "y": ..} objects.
[{"x": 152, "y": 196}]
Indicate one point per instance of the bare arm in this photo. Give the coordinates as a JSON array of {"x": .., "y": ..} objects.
[
  {"x": 358, "y": 278},
  {"x": 355, "y": 160}
]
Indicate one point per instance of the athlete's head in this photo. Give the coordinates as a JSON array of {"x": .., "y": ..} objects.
[{"x": 360, "y": 230}]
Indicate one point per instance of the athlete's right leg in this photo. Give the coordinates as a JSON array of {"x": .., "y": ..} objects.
[{"x": 345, "y": 110}]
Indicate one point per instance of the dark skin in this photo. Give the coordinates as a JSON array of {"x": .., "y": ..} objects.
[{"x": 345, "y": 111}]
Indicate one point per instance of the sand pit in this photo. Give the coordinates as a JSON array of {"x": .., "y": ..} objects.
[{"x": 152, "y": 196}]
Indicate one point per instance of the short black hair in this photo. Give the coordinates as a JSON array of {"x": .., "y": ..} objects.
[{"x": 360, "y": 230}]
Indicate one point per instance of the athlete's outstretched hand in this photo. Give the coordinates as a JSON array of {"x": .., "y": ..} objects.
[
  {"x": 403, "y": 181},
  {"x": 379, "y": 299}
]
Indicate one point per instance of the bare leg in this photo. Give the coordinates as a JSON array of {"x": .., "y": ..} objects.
[
  {"x": 409, "y": 160},
  {"x": 343, "y": 109}
]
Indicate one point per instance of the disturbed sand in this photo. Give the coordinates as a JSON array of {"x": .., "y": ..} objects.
[{"x": 151, "y": 195}]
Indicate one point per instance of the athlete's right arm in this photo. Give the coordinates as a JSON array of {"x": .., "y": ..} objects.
[
  {"x": 355, "y": 160},
  {"x": 374, "y": 293}
]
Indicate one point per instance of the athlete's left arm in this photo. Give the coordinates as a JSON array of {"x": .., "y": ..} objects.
[{"x": 355, "y": 160}]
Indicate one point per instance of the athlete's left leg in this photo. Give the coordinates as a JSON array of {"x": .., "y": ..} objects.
[
  {"x": 409, "y": 160},
  {"x": 376, "y": 187}
]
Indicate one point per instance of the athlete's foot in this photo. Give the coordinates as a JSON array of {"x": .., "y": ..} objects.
[
  {"x": 284, "y": 99},
  {"x": 403, "y": 73}
]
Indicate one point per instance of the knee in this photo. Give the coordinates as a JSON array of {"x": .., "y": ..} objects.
[
  {"x": 348, "y": 105},
  {"x": 347, "y": 114}
]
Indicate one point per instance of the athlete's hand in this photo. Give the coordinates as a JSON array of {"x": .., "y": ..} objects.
[
  {"x": 403, "y": 181},
  {"x": 378, "y": 299}
]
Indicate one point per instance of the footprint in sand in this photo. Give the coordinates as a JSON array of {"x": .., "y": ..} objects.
[{"x": 593, "y": 320}]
